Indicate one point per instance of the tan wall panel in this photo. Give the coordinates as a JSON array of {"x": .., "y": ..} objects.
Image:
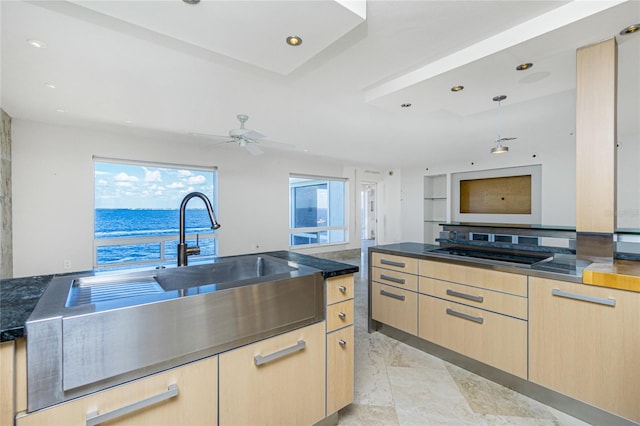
[{"x": 596, "y": 137}]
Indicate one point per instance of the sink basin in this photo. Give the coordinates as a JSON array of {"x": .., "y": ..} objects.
[{"x": 89, "y": 332}]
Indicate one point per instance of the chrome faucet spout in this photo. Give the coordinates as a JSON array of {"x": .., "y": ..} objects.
[{"x": 184, "y": 251}]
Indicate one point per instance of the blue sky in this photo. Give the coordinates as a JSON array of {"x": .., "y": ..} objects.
[{"x": 148, "y": 187}]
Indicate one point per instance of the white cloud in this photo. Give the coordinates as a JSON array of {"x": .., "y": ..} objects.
[
  {"x": 100, "y": 172},
  {"x": 152, "y": 176},
  {"x": 197, "y": 180},
  {"x": 124, "y": 184},
  {"x": 184, "y": 173},
  {"x": 174, "y": 185},
  {"x": 123, "y": 177},
  {"x": 102, "y": 182}
]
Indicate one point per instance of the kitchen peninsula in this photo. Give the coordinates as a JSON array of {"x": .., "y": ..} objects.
[
  {"x": 325, "y": 347},
  {"x": 558, "y": 330}
]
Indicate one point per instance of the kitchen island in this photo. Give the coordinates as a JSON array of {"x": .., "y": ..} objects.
[
  {"x": 536, "y": 329},
  {"x": 326, "y": 349}
]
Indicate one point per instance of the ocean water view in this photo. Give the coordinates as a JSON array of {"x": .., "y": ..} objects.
[{"x": 149, "y": 223}]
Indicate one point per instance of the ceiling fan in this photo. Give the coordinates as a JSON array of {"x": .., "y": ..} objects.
[{"x": 249, "y": 139}]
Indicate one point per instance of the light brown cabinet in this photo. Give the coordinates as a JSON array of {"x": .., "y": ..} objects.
[
  {"x": 280, "y": 380},
  {"x": 340, "y": 343},
  {"x": 394, "y": 297},
  {"x": 585, "y": 343},
  {"x": 477, "y": 312},
  {"x": 494, "y": 339},
  {"x": 184, "y": 395}
]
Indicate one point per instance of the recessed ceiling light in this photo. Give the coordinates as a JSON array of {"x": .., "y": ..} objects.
[
  {"x": 523, "y": 67},
  {"x": 294, "y": 41},
  {"x": 37, "y": 43},
  {"x": 406, "y": 105},
  {"x": 50, "y": 85},
  {"x": 630, "y": 29},
  {"x": 457, "y": 88}
]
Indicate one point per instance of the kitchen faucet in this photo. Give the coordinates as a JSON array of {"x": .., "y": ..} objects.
[{"x": 183, "y": 250}]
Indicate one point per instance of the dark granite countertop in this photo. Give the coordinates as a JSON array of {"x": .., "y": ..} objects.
[
  {"x": 564, "y": 268},
  {"x": 19, "y": 296}
]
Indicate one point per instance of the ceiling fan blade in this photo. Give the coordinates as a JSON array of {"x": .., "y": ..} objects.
[
  {"x": 253, "y": 148},
  {"x": 277, "y": 145},
  {"x": 505, "y": 139},
  {"x": 252, "y": 134}
]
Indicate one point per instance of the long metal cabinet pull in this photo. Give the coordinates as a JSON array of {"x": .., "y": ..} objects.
[
  {"x": 394, "y": 279},
  {"x": 465, "y": 296},
  {"x": 392, "y": 295},
  {"x": 582, "y": 297},
  {"x": 260, "y": 360},
  {"x": 94, "y": 418},
  {"x": 479, "y": 320},
  {"x": 392, "y": 263}
]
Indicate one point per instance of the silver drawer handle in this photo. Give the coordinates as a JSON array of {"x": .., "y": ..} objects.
[
  {"x": 392, "y": 263},
  {"x": 342, "y": 289},
  {"x": 392, "y": 295},
  {"x": 465, "y": 296},
  {"x": 261, "y": 360},
  {"x": 479, "y": 320},
  {"x": 342, "y": 315},
  {"x": 582, "y": 297},
  {"x": 94, "y": 418},
  {"x": 342, "y": 343},
  {"x": 392, "y": 279}
]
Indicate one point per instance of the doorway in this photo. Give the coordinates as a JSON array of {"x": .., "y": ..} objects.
[{"x": 368, "y": 207}]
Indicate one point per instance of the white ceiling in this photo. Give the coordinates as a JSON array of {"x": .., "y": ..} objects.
[{"x": 164, "y": 65}]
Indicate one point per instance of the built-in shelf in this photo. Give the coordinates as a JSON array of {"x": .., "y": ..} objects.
[{"x": 435, "y": 206}]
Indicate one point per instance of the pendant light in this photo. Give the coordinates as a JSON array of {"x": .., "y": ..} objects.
[{"x": 500, "y": 148}]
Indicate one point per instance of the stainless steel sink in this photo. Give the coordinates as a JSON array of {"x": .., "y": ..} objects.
[{"x": 89, "y": 332}]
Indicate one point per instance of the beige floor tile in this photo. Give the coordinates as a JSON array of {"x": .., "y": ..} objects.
[{"x": 368, "y": 415}]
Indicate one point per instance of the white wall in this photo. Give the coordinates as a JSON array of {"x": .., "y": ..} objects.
[
  {"x": 53, "y": 192},
  {"x": 558, "y": 184}
]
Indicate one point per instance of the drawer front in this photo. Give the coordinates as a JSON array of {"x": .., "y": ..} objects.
[
  {"x": 502, "y": 303},
  {"x": 493, "y": 280},
  {"x": 195, "y": 384},
  {"x": 340, "y": 369},
  {"x": 339, "y": 315},
  {"x": 396, "y": 279},
  {"x": 291, "y": 365},
  {"x": 395, "y": 307},
  {"x": 493, "y": 339},
  {"x": 396, "y": 263},
  {"x": 339, "y": 288}
]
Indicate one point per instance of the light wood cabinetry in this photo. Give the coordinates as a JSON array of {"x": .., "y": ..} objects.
[
  {"x": 275, "y": 381},
  {"x": 340, "y": 343},
  {"x": 585, "y": 343},
  {"x": 394, "y": 297},
  {"x": 491, "y": 338},
  {"x": 13, "y": 379},
  {"x": 340, "y": 366},
  {"x": 194, "y": 404},
  {"x": 395, "y": 307},
  {"x": 477, "y": 312}
]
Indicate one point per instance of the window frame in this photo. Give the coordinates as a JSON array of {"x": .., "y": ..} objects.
[
  {"x": 317, "y": 229},
  {"x": 162, "y": 240}
]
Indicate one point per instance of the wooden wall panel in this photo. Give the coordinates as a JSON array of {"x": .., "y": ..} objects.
[
  {"x": 596, "y": 137},
  {"x": 500, "y": 195}
]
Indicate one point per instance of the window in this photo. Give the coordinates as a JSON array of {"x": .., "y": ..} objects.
[
  {"x": 137, "y": 212},
  {"x": 316, "y": 211}
]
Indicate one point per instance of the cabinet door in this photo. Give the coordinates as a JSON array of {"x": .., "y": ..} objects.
[
  {"x": 582, "y": 346},
  {"x": 340, "y": 347},
  {"x": 494, "y": 339},
  {"x": 276, "y": 381},
  {"x": 7, "y": 374},
  {"x": 194, "y": 404},
  {"x": 395, "y": 307}
]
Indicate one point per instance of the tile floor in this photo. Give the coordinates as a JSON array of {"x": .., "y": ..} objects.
[{"x": 396, "y": 384}]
